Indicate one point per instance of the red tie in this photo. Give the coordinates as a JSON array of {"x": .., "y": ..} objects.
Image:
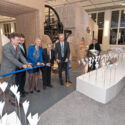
[{"x": 16, "y": 50}]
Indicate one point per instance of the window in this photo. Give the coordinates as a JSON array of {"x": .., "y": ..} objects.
[
  {"x": 93, "y": 16},
  {"x": 99, "y": 19},
  {"x": 114, "y": 19},
  {"x": 117, "y": 33},
  {"x": 121, "y": 39},
  {"x": 122, "y": 24},
  {"x": 100, "y": 36},
  {"x": 7, "y": 29},
  {"x": 113, "y": 36}
]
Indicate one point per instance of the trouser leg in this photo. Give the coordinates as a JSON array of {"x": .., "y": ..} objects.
[
  {"x": 44, "y": 77},
  {"x": 66, "y": 72},
  {"x": 60, "y": 71},
  {"x": 48, "y": 69},
  {"x": 20, "y": 81}
]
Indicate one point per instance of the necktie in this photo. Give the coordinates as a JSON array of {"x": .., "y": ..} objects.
[
  {"x": 16, "y": 50},
  {"x": 94, "y": 46},
  {"x": 62, "y": 49},
  {"x": 48, "y": 53},
  {"x": 22, "y": 48}
]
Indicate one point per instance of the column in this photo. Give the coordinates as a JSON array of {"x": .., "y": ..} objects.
[{"x": 106, "y": 32}]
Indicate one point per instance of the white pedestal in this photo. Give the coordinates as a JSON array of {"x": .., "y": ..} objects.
[
  {"x": 99, "y": 89},
  {"x": 13, "y": 119}
]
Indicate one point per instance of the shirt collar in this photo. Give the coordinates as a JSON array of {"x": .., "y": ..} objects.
[
  {"x": 14, "y": 46},
  {"x": 62, "y": 42}
]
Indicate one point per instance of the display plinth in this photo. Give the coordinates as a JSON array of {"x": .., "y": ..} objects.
[
  {"x": 11, "y": 119},
  {"x": 105, "y": 86}
]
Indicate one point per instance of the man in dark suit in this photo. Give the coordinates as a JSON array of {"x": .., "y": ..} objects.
[
  {"x": 21, "y": 77},
  {"x": 95, "y": 45},
  {"x": 48, "y": 59},
  {"x": 62, "y": 54}
]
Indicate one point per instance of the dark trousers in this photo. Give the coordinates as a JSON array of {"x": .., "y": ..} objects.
[
  {"x": 46, "y": 75},
  {"x": 62, "y": 65},
  {"x": 20, "y": 81}
]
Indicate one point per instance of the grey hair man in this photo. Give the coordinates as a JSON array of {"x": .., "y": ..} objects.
[{"x": 11, "y": 54}]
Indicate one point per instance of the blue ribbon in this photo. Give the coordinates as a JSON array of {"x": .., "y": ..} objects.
[{"x": 22, "y": 70}]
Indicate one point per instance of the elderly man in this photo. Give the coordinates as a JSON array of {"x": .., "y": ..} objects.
[
  {"x": 48, "y": 59},
  {"x": 95, "y": 46},
  {"x": 62, "y": 54},
  {"x": 11, "y": 59}
]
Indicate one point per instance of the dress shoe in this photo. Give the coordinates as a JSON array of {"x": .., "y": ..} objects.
[
  {"x": 37, "y": 90},
  {"x": 31, "y": 92},
  {"x": 23, "y": 95},
  {"x": 26, "y": 93},
  {"x": 50, "y": 86},
  {"x": 69, "y": 81}
]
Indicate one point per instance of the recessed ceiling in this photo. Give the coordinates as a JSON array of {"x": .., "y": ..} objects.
[{"x": 88, "y": 5}]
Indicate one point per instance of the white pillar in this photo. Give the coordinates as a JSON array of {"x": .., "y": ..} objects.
[
  {"x": 106, "y": 31},
  {"x": 1, "y": 29}
]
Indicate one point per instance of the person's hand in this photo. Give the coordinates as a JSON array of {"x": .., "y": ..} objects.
[
  {"x": 58, "y": 61},
  {"x": 29, "y": 66},
  {"x": 48, "y": 64},
  {"x": 66, "y": 60},
  {"x": 42, "y": 64},
  {"x": 24, "y": 66},
  {"x": 38, "y": 64}
]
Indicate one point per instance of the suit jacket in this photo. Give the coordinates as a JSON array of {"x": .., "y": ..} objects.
[
  {"x": 97, "y": 47},
  {"x": 46, "y": 57},
  {"x": 23, "y": 53},
  {"x": 10, "y": 60},
  {"x": 30, "y": 57},
  {"x": 58, "y": 54}
]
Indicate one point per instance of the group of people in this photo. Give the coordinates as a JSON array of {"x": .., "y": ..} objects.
[{"x": 15, "y": 57}]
